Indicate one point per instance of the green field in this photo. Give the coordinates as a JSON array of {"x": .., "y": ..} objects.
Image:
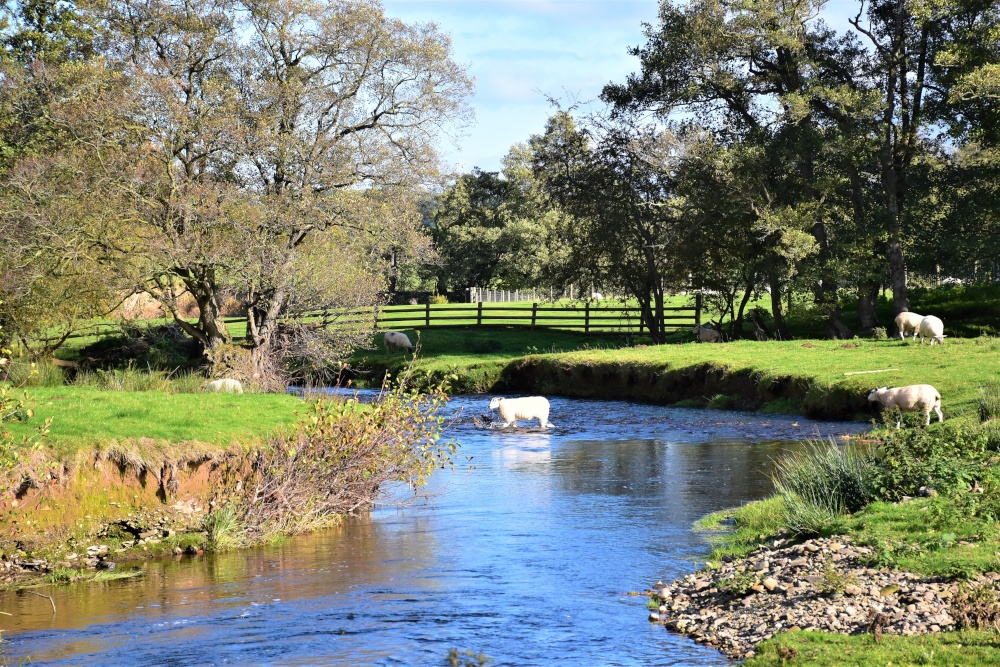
[{"x": 85, "y": 417}]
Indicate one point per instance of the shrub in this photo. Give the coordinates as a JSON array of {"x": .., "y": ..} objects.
[
  {"x": 976, "y": 608},
  {"x": 337, "y": 461},
  {"x": 437, "y": 299},
  {"x": 945, "y": 459}
]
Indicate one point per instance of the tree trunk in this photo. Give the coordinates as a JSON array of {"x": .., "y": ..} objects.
[
  {"x": 777, "y": 311},
  {"x": 736, "y": 332},
  {"x": 867, "y": 295}
]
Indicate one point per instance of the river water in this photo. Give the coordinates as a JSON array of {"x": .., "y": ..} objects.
[{"x": 524, "y": 553}]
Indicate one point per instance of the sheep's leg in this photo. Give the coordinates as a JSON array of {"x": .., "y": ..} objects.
[
  {"x": 899, "y": 417},
  {"x": 937, "y": 409},
  {"x": 927, "y": 417}
]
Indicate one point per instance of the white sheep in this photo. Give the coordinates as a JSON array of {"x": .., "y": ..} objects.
[
  {"x": 909, "y": 399},
  {"x": 396, "y": 341},
  {"x": 933, "y": 328},
  {"x": 225, "y": 385},
  {"x": 530, "y": 407},
  {"x": 908, "y": 322},
  {"x": 596, "y": 296},
  {"x": 706, "y": 335}
]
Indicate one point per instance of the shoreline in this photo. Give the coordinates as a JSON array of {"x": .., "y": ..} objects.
[{"x": 822, "y": 584}]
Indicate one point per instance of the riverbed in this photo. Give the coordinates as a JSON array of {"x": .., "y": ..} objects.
[{"x": 526, "y": 552}]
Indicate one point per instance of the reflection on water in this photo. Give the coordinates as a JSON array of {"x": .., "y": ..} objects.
[{"x": 523, "y": 552}]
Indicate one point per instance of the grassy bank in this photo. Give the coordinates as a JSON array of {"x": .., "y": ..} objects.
[
  {"x": 824, "y": 379},
  {"x": 84, "y": 417}
]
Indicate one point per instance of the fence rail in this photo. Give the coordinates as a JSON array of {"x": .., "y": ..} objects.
[{"x": 588, "y": 318}]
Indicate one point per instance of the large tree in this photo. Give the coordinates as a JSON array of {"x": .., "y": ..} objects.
[
  {"x": 846, "y": 111},
  {"x": 246, "y": 136}
]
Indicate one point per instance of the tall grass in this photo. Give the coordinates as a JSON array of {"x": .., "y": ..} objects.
[
  {"x": 23, "y": 373},
  {"x": 136, "y": 378},
  {"x": 823, "y": 483},
  {"x": 988, "y": 403}
]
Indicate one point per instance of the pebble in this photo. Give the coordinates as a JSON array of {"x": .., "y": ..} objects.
[{"x": 698, "y": 607}]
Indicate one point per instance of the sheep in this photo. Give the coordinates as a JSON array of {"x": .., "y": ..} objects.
[
  {"x": 706, "y": 335},
  {"x": 596, "y": 296},
  {"x": 530, "y": 407},
  {"x": 933, "y": 328},
  {"x": 909, "y": 399},
  {"x": 225, "y": 385},
  {"x": 905, "y": 322},
  {"x": 396, "y": 340}
]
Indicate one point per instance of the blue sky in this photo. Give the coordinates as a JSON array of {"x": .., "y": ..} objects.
[{"x": 521, "y": 51}]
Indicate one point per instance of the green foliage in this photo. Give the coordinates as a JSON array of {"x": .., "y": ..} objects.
[
  {"x": 739, "y": 584},
  {"x": 823, "y": 483},
  {"x": 827, "y": 649},
  {"x": 988, "y": 405},
  {"x": 944, "y": 459},
  {"x": 834, "y": 581},
  {"x": 224, "y": 530},
  {"x": 722, "y": 402},
  {"x": 338, "y": 460},
  {"x": 437, "y": 299}
]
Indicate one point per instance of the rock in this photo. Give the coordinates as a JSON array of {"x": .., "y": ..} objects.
[
  {"x": 926, "y": 492},
  {"x": 654, "y": 617},
  {"x": 770, "y": 583},
  {"x": 851, "y": 589},
  {"x": 147, "y": 534},
  {"x": 889, "y": 590},
  {"x": 106, "y": 565},
  {"x": 664, "y": 593}
]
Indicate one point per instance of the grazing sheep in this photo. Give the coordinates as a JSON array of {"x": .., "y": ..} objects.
[
  {"x": 706, "y": 335},
  {"x": 225, "y": 385},
  {"x": 908, "y": 322},
  {"x": 596, "y": 296},
  {"x": 909, "y": 399},
  {"x": 395, "y": 340},
  {"x": 933, "y": 328},
  {"x": 530, "y": 407}
]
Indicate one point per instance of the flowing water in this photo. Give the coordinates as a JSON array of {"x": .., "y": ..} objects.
[{"x": 525, "y": 553}]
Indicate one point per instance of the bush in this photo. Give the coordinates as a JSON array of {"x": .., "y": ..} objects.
[
  {"x": 337, "y": 461},
  {"x": 944, "y": 459},
  {"x": 437, "y": 299}
]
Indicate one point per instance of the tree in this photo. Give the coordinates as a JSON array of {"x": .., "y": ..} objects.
[
  {"x": 771, "y": 72},
  {"x": 250, "y": 135}
]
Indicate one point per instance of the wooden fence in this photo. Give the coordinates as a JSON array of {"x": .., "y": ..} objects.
[{"x": 588, "y": 318}]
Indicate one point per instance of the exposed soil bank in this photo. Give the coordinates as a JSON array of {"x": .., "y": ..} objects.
[
  {"x": 121, "y": 502},
  {"x": 700, "y": 385}
]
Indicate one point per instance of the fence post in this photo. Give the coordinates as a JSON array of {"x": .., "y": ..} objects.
[
  {"x": 586, "y": 318},
  {"x": 534, "y": 313},
  {"x": 427, "y": 311},
  {"x": 697, "y": 309},
  {"x": 479, "y": 316}
]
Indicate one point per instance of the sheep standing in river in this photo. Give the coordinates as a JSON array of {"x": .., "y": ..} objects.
[
  {"x": 225, "y": 385},
  {"x": 909, "y": 399},
  {"x": 530, "y": 407},
  {"x": 908, "y": 322},
  {"x": 933, "y": 328},
  {"x": 394, "y": 340}
]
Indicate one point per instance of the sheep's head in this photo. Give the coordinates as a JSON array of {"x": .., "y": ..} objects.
[
  {"x": 696, "y": 329},
  {"x": 495, "y": 403},
  {"x": 873, "y": 395}
]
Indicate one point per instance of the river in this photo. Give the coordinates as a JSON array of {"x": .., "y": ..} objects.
[{"x": 525, "y": 552}]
